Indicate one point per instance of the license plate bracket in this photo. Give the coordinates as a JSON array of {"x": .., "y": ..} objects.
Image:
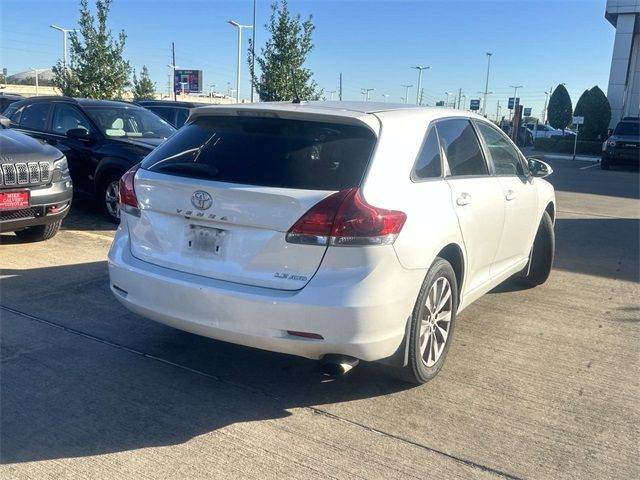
[
  {"x": 14, "y": 200},
  {"x": 205, "y": 241}
]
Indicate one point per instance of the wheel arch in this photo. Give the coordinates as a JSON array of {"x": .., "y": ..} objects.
[
  {"x": 109, "y": 166},
  {"x": 453, "y": 254},
  {"x": 551, "y": 210}
]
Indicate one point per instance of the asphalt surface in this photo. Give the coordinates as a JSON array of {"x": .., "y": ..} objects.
[{"x": 539, "y": 383}]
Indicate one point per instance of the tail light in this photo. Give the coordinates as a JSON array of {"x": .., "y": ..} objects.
[
  {"x": 127, "y": 192},
  {"x": 345, "y": 219}
]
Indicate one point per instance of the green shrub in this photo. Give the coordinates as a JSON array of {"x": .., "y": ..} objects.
[{"x": 564, "y": 144}]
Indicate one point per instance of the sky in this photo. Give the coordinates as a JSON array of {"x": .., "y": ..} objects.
[{"x": 534, "y": 43}]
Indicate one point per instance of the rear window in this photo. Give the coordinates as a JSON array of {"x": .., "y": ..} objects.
[
  {"x": 631, "y": 129},
  {"x": 270, "y": 152}
]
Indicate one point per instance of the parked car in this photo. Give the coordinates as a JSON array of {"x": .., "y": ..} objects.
[
  {"x": 7, "y": 99},
  {"x": 101, "y": 139},
  {"x": 546, "y": 131},
  {"x": 331, "y": 231},
  {"x": 176, "y": 113},
  {"x": 623, "y": 146},
  {"x": 525, "y": 137},
  {"x": 35, "y": 186}
]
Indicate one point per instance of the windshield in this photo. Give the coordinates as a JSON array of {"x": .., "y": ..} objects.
[
  {"x": 631, "y": 129},
  {"x": 129, "y": 122}
]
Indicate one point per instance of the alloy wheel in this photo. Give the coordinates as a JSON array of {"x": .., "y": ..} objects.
[{"x": 436, "y": 321}]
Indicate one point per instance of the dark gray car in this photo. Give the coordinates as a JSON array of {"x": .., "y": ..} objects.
[{"x": 35, "y": 186}]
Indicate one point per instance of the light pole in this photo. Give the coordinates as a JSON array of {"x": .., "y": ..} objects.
[
  {"x": 37, "y": 70},
  {"x": 406, "y": 94},
  {"x": 239, "y": 27},
  {"x": 447, "y": 102},
  {"x": 420, "y": 69},
  {"x": 486, "y": 85},
  {"x": 331, "y": 92},
  {"x": 515, "y": 96},
  {"x": 464, "y": 102},
  {"x": 173, "y": 79},
  {"x": 253, "y": 48},
  {"x": 366, "y": 91},
  {"x": 64, "y": 42},
  {"x": 385, "y": 96},
  {"x": 211, "y": 85},
  {"x": 484, "y": 109},
  {"x": 546, "y": 100}
]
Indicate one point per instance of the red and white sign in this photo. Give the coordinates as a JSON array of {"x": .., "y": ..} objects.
[{"x": 14, "y": 200}]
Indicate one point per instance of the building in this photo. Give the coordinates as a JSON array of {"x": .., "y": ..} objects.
[{"x": 624, "y": 79}]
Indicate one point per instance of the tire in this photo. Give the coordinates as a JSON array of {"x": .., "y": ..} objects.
[
  {"x": 428, "y": 337},
  {"x": 542, "y": 254},
  {"x": 604, "y": 163},
  {"x": 108, "y": 196},
  {"x": 39, "y": 233}
]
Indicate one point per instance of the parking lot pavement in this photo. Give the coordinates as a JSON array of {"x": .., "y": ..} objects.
[{"x": 539, "y": 383}]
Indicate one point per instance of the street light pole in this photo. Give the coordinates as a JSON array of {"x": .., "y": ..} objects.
[
  {"x": 37, "y": 70},
  {"x": 486, "y": 85},
  {"x": 385, "y": 96},
  {"x": 515, "y": 96},
  {"x": 239, "y": 27},
  {"x": 253, "y": 48},
  {"x": 64, "y": 42},
  {"x": 331, "y": 92},
  {"x": 366, "y": 91},
  {"x": 420, "y": 69},
  {"x": 447, "y": 102},
  {"x": 406, "y": 94},
  {"x": 544, "y": 110}
]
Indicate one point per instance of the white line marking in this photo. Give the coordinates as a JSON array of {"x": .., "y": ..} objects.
[{"x": 589, "y": 166}]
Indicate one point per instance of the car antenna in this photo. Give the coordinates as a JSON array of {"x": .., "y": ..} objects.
[{"x": 296, "y": 97}]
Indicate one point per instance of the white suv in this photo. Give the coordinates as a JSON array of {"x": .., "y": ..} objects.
[{"x": 331, "y": 231}]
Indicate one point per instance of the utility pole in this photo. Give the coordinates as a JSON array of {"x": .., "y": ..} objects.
[
  {"x": 459, "y": 98},
  {"x": 406, "y": 94},
  {"x": 420, "y": 69},
  {"x": 486, "y": 85},
  {"x": 340, "y": 86},
  {"x": 173, "y": 80}
]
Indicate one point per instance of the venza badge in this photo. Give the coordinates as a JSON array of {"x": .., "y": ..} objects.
[{"x": 201, "y": 200}]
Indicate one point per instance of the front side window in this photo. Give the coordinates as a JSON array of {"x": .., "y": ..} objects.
[
  {"x": 461, "y": 148},
  {"x": 129, "y": 122},
  {"x": 428, "y": 164},
  {"x": 270, "y": 152},
  {"x": 67, "y": 117},
  {"x": 506, "y": 160},
  {"x": 35, "y": 116}
]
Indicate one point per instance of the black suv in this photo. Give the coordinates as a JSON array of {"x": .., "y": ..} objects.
[
  {"x": 623, "y": 147},
  {"x": 176, "y": 113},
  {"x": 35, "y": 186},
  {"x": 101, "y": 139},
  {"x": 7, "y": 99}
]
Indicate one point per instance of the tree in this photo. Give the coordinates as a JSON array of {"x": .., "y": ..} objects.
[
  {"x": 143, "y": 87},
  {"x": 283, "y": 57},
  {"x": 579, "y": 110},
  {"x": 597, "y": 115},
  {"x": 560, "y": 108},
  {"x": 96, "y": 68}
]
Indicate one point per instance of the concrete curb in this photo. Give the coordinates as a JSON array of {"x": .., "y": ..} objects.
[{"x": 581, "y": 158}]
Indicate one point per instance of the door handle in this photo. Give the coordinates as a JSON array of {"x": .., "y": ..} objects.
[
  {"x": 510, "y": 195},
  {"x": 463, "y": 199}
]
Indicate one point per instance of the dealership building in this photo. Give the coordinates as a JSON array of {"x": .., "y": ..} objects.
[{"x": 624, "y": 80}]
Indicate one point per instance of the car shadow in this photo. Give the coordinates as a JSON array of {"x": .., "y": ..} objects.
[{"x": 83, "y": 376}]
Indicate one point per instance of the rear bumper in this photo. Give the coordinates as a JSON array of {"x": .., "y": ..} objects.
[
  {"x": 358, "y": 313},
  {"x": 45, "y": 206},
  {"x": 626, "y": 157}
]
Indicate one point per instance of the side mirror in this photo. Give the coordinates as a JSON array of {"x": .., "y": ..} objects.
[
  {"x": 4, "y": 121},
  {"x": 539, "y": 168},
  {"x": 79, "y": 134}
]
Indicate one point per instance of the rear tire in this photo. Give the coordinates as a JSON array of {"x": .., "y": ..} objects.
[
  {"x": 39, "y": 233},
  {"x": 604, "y": 163},
  {"x": 541, "y": 254},
  {"x": 108, "y": 197},
  {"x": 432, "y": 324}
]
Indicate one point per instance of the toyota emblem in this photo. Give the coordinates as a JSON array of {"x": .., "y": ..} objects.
[{"x": 201, "y": 200}]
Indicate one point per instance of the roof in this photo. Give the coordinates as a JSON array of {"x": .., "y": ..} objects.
[
  {"x": 85, "y": 102},
  {"x": 170, "y": 103}
]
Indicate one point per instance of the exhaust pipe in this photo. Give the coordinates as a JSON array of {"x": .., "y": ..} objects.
[{"x": 335, "y": 365}]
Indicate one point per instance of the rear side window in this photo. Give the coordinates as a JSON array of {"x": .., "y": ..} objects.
[
  {"x": 35, "y": 116},
  {"x": 164, "y": 112},
  {"x": 428, "y": 164},
  {"x": 461, "y": 147},
  {"x": 270, "y": 152}
]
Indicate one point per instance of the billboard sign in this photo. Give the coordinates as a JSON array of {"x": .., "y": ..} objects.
[
  {"x": 475, "y": 105},
  {"x": 188, "y": 81},
  {"x": 527, "y": 112},
  {"x": 511, "y": 102}
]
